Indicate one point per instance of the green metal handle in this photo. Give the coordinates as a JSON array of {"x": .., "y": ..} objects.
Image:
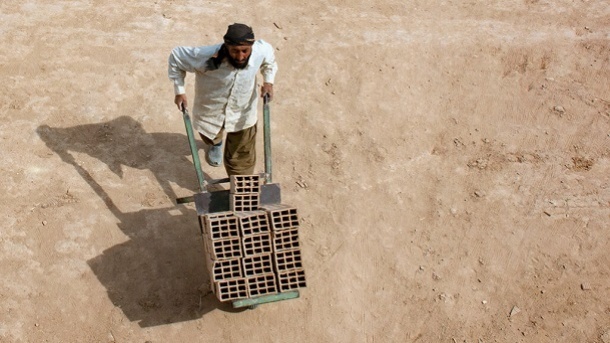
[
  {"x": 193, "y": 146},
  {"x": 267, "y": 138},
  {"x": 266, "y": 299}
]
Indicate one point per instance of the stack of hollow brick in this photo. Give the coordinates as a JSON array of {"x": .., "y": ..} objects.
[{"x": 252, "y": 250}]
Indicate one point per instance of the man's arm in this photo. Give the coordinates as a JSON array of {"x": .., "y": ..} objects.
[
  {"x": 186, "y": 59},
  {"x": 268, "y": 69}
]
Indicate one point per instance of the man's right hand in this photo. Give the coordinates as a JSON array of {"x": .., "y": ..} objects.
[{"x": 180, "y": 101}]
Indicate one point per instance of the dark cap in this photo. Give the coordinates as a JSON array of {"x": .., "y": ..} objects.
[{"x": 239, "y": 34}]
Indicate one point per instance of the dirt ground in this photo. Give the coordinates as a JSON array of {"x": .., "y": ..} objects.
[{"x": 450, "y": 161}]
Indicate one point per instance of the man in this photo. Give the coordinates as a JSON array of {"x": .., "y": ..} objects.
[{"x": 225, "y": 94}]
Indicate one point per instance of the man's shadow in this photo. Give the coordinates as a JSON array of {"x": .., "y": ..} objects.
[{"x": 156, "y": 276}]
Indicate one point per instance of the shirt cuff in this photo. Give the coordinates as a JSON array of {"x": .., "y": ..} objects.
[
  {"x": 268, "y": 79},
  {"x": 179, "y": 89}
]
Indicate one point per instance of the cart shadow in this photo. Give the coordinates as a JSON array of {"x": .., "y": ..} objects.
[{"x": 156, "y": 276}]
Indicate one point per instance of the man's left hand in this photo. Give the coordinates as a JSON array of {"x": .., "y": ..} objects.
[{"x": 267, "y": 89}]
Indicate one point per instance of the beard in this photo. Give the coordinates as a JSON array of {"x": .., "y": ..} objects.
[{"x": 238, "y": 65}]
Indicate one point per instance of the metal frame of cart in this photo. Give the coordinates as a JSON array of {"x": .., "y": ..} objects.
[{"x": 218, "y": 201}]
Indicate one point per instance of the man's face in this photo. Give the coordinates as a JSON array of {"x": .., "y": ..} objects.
[{"x": 239, "y": 55}]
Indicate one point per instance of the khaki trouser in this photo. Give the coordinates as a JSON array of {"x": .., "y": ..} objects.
[{"x": 239, "y": 150}]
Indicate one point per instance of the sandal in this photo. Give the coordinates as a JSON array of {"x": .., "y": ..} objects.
[{"x": 215, "y": 155}]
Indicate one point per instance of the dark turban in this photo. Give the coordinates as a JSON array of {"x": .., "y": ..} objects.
[{"x": 239, "y": 34}]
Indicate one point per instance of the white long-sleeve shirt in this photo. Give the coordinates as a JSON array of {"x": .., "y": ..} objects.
[{"x": 225, "y": 95}]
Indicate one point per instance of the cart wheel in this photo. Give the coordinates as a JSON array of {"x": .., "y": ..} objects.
[{"x": 252, "y": 307}]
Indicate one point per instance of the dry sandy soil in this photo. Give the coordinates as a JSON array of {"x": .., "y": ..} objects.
[{"x": 450, "y": 161}]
